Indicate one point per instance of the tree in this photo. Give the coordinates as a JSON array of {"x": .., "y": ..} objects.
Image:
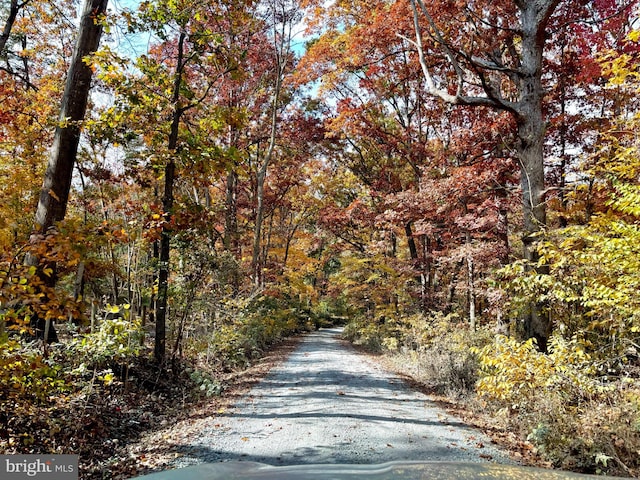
[
  {"x": 483, "y": 56},
  {"x": 54, "y": 196},
  {"x": 594, "y": 268},
  {"x": 14, "y": 9},
  {"x": 406, "y": 146},
  {"x": 180, "y": 76},
  {"x": 33, "y": 65},
  {"x": 282, "y": 15},
  {"x": 491, "y": 71}
]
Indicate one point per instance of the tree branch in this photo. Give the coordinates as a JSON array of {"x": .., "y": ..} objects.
[
  {"x": 491, "y": 100},
  {"x": 438, "y": 35},
  {"x": 14, "y": 9}
]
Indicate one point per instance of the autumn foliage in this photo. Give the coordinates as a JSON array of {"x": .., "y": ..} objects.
[{"x": 250, "y": 170}]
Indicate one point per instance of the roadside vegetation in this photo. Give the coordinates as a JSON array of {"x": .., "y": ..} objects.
[
  {"x": 550, "y": 410},
  {"x": 462, "y": 197},
  {"x": 578, "y": 403},
  {"x": 98, "y": 390}
]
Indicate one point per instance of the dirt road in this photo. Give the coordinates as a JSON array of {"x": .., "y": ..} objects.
[{"x": 329, "y": 404}]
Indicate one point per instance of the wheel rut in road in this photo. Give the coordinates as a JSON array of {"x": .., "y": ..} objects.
[{"x": 329, "y": 404}]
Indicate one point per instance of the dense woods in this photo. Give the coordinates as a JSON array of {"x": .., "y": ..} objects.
[{"x": 455, "y": 182}]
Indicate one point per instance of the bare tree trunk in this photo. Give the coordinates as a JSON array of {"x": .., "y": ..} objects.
[
  {"x": 531, "y": 134},
  {"x": 282, "y": 33},
  {"x": 452, "y": 287},
  {"x": 14, "y": 8},
  {"x": 167, "y": 205},
  {"x": 563, "y": 148},
  {"x": 503, "y": 226},
  {"x": 54, "y": 196},
  {"x": 422, "y": 278},
  {"x": 471, "y": 292},
  {"x": 257, "y": 232},
  {"x": 231, "y": 238},
  {"x": 426, "y": 273},
  {"x": 163, "y": 265}
]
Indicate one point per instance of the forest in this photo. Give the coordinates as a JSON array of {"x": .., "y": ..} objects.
[{"x": 185, "y": 183}]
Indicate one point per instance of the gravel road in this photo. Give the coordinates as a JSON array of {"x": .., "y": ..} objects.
[{"x": 328, "y": 404}]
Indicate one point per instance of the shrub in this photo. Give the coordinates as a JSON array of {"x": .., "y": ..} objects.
[
  {"x": 374, "y": 336},
  {"x": 26, "y": 376},
  {"x": 247, "y": 327},
  {"x": 435, "y": 349},
  {"x": 117, "y": 340},
  {"x": 514, "y": 373},
  {"x": 575, "y": 418},
  {"x": 442, "y": 347}
]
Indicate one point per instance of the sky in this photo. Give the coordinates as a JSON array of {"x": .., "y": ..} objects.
[
  {"x": 137, "y": 44},
  {"x": 129, "y": 44}
]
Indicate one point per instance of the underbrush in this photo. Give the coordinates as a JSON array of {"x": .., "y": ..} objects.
[
  {"x": 435, "y": 350},
  {"x": 89, "y": 395},
  {"x": 578, "y": 419},
  {"x": 93, "y": 393},
  {"x": 559, "y": 404},
  {"x": 244, "y": 330},
  {"x": 58, "y": 405}
]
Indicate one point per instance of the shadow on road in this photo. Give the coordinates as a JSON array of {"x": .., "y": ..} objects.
[{"x": 328, "y": 404}]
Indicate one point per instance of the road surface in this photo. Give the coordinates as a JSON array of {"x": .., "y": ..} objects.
[{"x": 329, "y": 404}]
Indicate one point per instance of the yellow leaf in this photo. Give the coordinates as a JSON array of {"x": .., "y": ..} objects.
[{"x": 107, "y": 379}]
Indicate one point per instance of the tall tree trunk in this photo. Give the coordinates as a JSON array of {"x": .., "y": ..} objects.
[
  {"x": 231, "y": 238},
  {"x": 563, "y": 147},
  {"x": 531, "y": 135},
  {"x": 163, "y": 266},
  {"x": 427, "y": 275},
  {"x": 256, "y": 260},
  {"x": 54, "y": 196},
  {"x": 167, "y": 206},
  {"x": 14, "y": 9},
  {"x": 471, "y": 288},
  {"x": 452, "y": 287},
  {"x": 526, "y": 76},
  {"x": 503, "y": 225},
  {"x": 422, "y": 278},
  {"x": 281, "y": 36},
  {"x": 411, "y": 241},
  {"x": 261, "y": 176}
]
